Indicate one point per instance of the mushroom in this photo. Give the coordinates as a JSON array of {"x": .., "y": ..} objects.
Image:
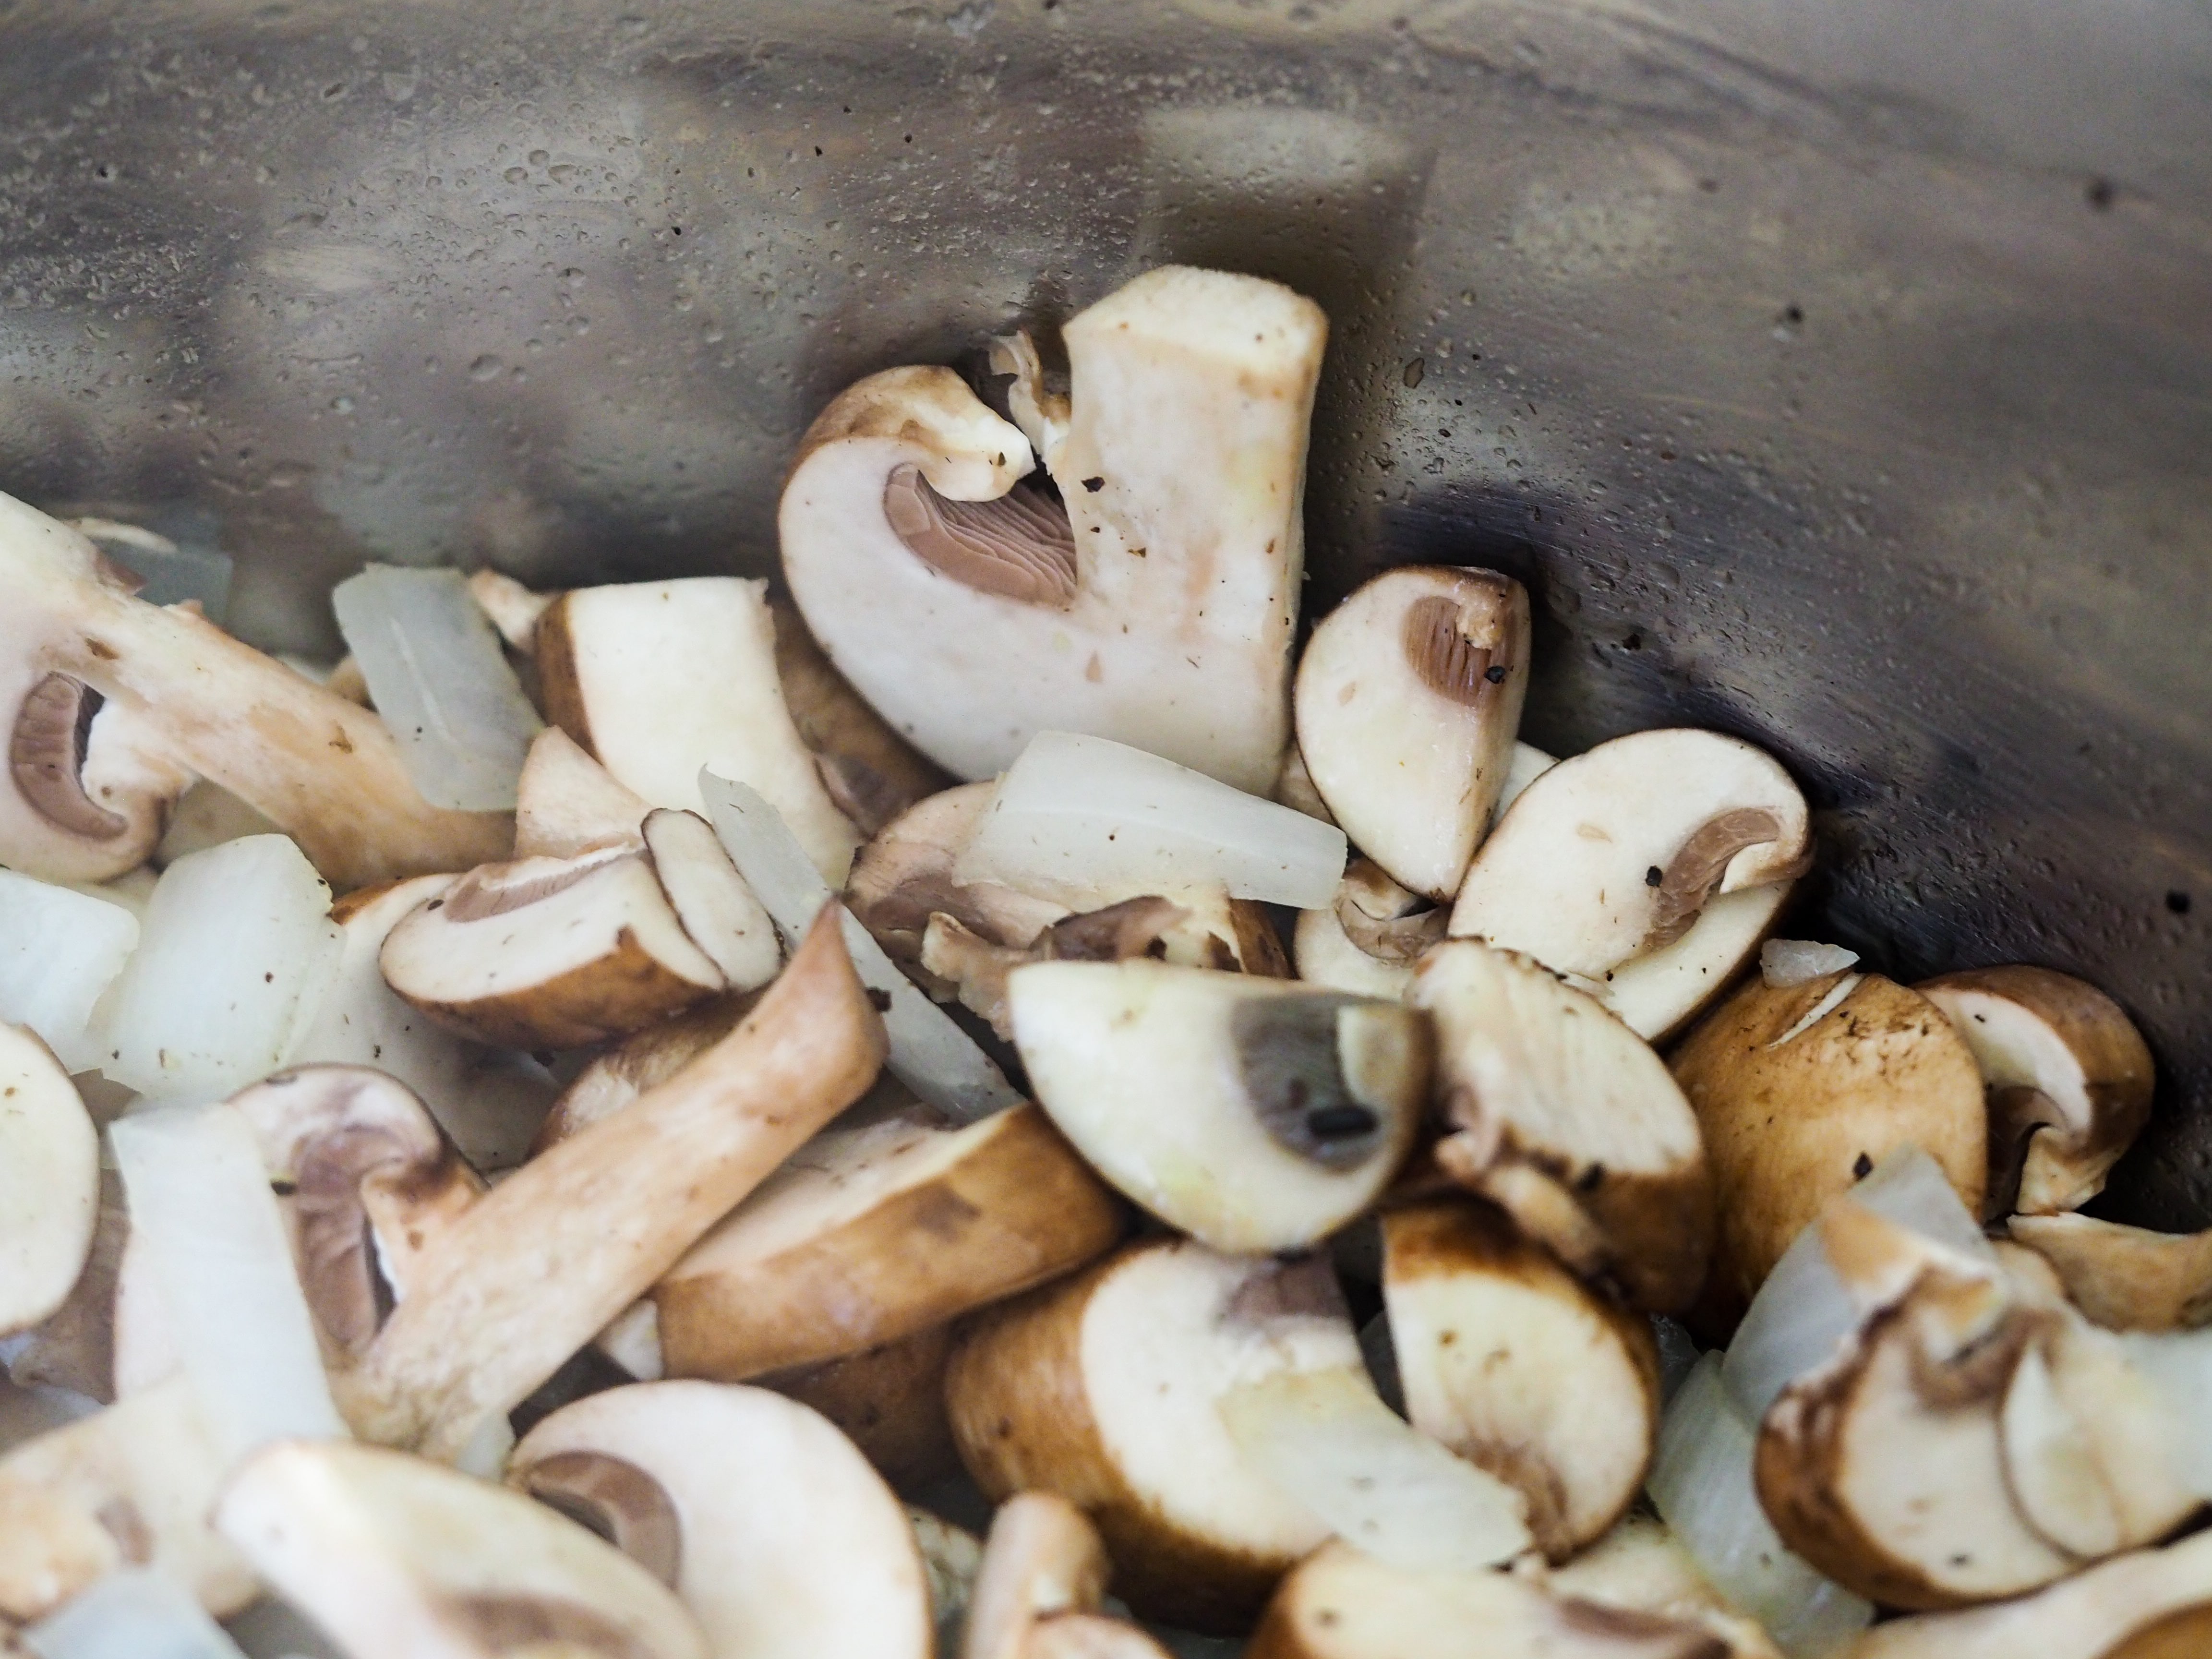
[
  {"x": 1515, "y": 1364},
  {"x": 1568, "y": 1122},
  {"x": 764, "y": 1519},
  {"x": 1614, "y": 854},
  {"x": 1102, "y": 1388},
  {"x": 904, "y": 876},
  {"x": 978, "y": 968},
  {"x": 2125, "y": 1278},
  {"x": 659, "y": 680},
  {"x": 49, "y": 1181},
  {"x": 1038, "y": 1592},
  {"x": 951, "y": 1558},
  {"x": 510, "y": 607},
  {"x": 539, "y": 1265},
  {"x": 566, "y": 804},
  {"x": 889, "y": 1399},
  {"x": 397, "y": 1558},
  {"x": 1642, "y": 1566},
  {"x": 1800, "y": 1090},
  {"x": 641, "y": 1061},
  {"x": 1294, "y": 787},
  {"x": 1407, "y": 699},
  {"x": 1155, "y": 603},
  {"x": 74, "y": 1346},
  {"x": 2069, "y": 1079},
  {"x": 711, "y": 900},
  {"x": 550, "y": 953},
  {"x": 114, "y": 705},
  {"x": 1368, "y": 941},
  {"x": 1254, "y": 1114},
  {"x": 1657, "y": 994},
  {"x": 872, "y": 1234},
  {"x": 872, "y": 773}
]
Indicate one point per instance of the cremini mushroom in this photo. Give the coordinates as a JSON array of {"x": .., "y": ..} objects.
[
  {"x": 2069, "y": 1079},
  {"x": 1040, "y": 1587},
  {"x": 872, "y": 773},
  {"x": 889, "y": 1399},
  {"x": 397, "y": 1558},
  {"x": 1641, "y": 1566},
  {"x": 1565, "y": 1119},
  {"x": 1154, "y": 603},
  {"x": 764, "y": 1519},
  {"x": 1407, "y": 699},
  {"x": 567, "y": 804},
  {"x": 1513, "y": 1364},
  {"x": 978, "y": 968},
  {"x": 1369, "y": 940},
  {"x": 49, "y": 1181},
  {"x": 1656, "y": 995},
  {"x": 2125, "y": 1278},
  {"x": 1254, "y": 1114},
  {"x": 711, "y": 900},
  {"x": 1802, "y": 1089},
  {"x": 903, "y": 877},
  {"x": 619, "y": 1073}
]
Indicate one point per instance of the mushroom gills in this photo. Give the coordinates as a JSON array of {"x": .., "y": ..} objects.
[{"x": 1020, "y": 546}]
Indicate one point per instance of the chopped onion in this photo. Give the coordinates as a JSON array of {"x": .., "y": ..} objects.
[
  {"x": 1701, "y": 1485},
  {"x": 929, "y": 1052},
  {"x": 199, "y": 1195},
  {"x": 235, "y": 956},
  {"x": 1820, "y": 1010},
  {"x": 1786, "y": 962},
  {"x": 1326, "y": 1439},
  {"x": 134, "y": 1612},
  {"x": 2178, "y": 1365},
  {"x": 437, "y": 676},
  {"x": 1077, "y": 812},
  {"x": 59, "y": 950}
]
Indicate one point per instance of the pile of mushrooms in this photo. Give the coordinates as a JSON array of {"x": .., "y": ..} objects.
[{"x": 982, "y": 1102}]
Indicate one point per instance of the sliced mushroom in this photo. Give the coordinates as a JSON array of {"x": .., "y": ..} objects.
[
  {"x": 641, "y": 1061},
  {"x": 1369, "y": 940},
  {"x": 1519, "y": 1368},
  {"x": 550, "y": 953},
  {"x": 871, "y": 773},
  {"x": 566, "y": 804},
  {"x": 1254, "y": 1114},
  {"x": 114, "y": 704},
  {"x": 2125, "y": 1278},
  {"x": 904, "y": 876},
  {"x": 1640, "y": 1565},
  {"x": 658, "y": 680},
  {"x": 1614, "y": 854},
  {"x": 1043, "y": 1563},
  {"x": 2069, "y": 1078},
  {"x": 1566, "y": 1120},
  {"x": 1800, "y": 1090},
  {"x": 1155, "y": 607},
  {"x": 778, "y": 1536},
  {"x": 889, "y": 1399},
  {"x": 1657, "y": 994},
  {"x": 1408, "y": 696},
  {"x": 977, "y": 970},
  {"x": 539, "y": 1267},
  {"x": 872, "y": 1234},
  {"x": 710, "y": 898},
  {"x": 1102, "y": 1388},
  {"x": 49, "y": 1181},
  {"x": 74, "y": 1346},
  {"x": 1294, "y": 788},
  {"x": 397, "y": 1558},
  {"x": 510, "y": 607}
]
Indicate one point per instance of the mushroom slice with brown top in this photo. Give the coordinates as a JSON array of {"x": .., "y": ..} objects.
[
  {"x": 398, "y": 1558},
  {"x": 871, "y": 772},
  {"x": 1564, "y": 1118},
  {"x": 1254, "y": 1114},
  {"x": 1614, "y": 854},
  {"x": 2069, "y": 1079},
  {"x": 510, "y": 608},
  {"x": 49, "y": 1181},
  {"x": 1369, "y": 940},
  {"x": 1407, "y": 699},
  {"x": 1155, "y": 607},
  {"x": 1042, "y": 1579},
  {"x": 889, "y": 1399},
  {"x": 765, "y": 1520},
  {"x": 566, "y": 804},
  {"x": 2125, "y": 1278},
  {"x": 1640, "y": 1565},
  {"x": 1802, "y": 1089},
  {"x": 550, "y": 953},
  {"x": 1513, "y": 1364},
  {"x": 711, "y": 900},
  {"x": 904, "y": 876},
  {"x": 871, "y": 1234}
]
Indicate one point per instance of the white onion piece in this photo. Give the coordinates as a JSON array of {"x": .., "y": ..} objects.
[
  {"x": 2178, "y": 1365},
  {"x": 1701, "y": 1485},
  {"x": 198, "y": 1193},
  {"x": 1326, "y": 1439},
  {"x": 436, "y": 674},
  {"x": 134, "y": 1612},
  {"x": 60, "y": 949},
  {"x": 234, "y": 957},
  {"x": 1786, "y": 962},
  {"x": 929, "y": 1052},
  {"x": 1820, "y": 1010},
  {"x": 1074, "y": 813},
  {"x": 1802, "y": 1313}
]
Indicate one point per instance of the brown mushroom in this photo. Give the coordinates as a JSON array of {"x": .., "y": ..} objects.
[
  {"x": 1369, "y": 940},
  {"x": 889, "y": 1399},
  {"x": 871, "y": 772},
  {"x": 2125, "y": 1278},
  {"x": 566, "y": 804}
]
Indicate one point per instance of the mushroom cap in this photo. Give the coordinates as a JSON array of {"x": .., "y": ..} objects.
[
  {"x": 1042, "y": 1558},
  {"x": 1656, "y": 995},
  {"x": 1367, "y": 942},
  {"x": 91, "y": 785},
  {"x": 49, "y": 1181},
  {"x": 719, "y": 912},
  {"x": 889, "y": 1399},
  {"x": 2125, "y": 1278}
]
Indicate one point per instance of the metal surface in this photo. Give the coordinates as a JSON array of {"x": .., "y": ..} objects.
[{"x": 1837, "y": 375}]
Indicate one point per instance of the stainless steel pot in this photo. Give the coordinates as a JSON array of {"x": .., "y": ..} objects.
[{"x": 1837, "y": 375}]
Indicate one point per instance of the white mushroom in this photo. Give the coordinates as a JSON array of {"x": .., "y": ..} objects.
[
  {"x": 1041, "y": 1583},
  {"x": 567, "y": 804},
  {"x": 1367, "y": 941},
  {"x": 2125, "y": 1278},
  {"x": 1155, "y": 606},
  {"x": 49, "y": 1181}
]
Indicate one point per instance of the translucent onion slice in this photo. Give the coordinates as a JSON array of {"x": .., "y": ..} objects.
[
  {"x": 134, "y": 1612},
  {"x": 59, "y": 951},
  {"x": 234, "y": 957},
  {"x": 1802, "y": 1313},
  {"x": 1324, "y": 1439},
  {"x": 437, "y": 675},
  {"x": 1077, "y": 812},
  {"x": 1786, "y": 962},
  {"x": 2178, "y": 1365},
  {"x": 1701, "y": 1485},
  {"x": 198, "y": 1193},
  {"x": 929, "y": 1052}
]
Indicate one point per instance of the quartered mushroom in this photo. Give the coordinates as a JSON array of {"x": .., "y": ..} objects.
[
  {"x": 1563, "y": 1118},
  {"x": 871, "y": 1234},
  {"x": 977, "y": 970},
  {"x": 904, "y": 876},
  {"x": 1154, "y": 603},
  {"x": 890, "y": 1400},
  {"x": 49, "y": 1181},
  {"x": 872, "y": 773},
  {"x": 2125, "y": 1278},
  {"x": 1517, "y": 1366},
  {"x": 398, "y": 1558},
  {"x": 1641, "y": 1566},
  {"x": 1254, "y": 1114},
  {"x": 113, "y": 706},
  {"x": 1368, "y": 941},
  {"x": 2069, "y": 1078},
  {"x": 1407, "y": 699},
  {"x": 1040, "y": 1588},
  {"x": 1802, "y": 1089},
  {"x": 766, "y": 1520},
  {"x": 717, "y": 909},
  {"x": 645, "y": 1059},
  {"x": 566, "y": 804}
]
